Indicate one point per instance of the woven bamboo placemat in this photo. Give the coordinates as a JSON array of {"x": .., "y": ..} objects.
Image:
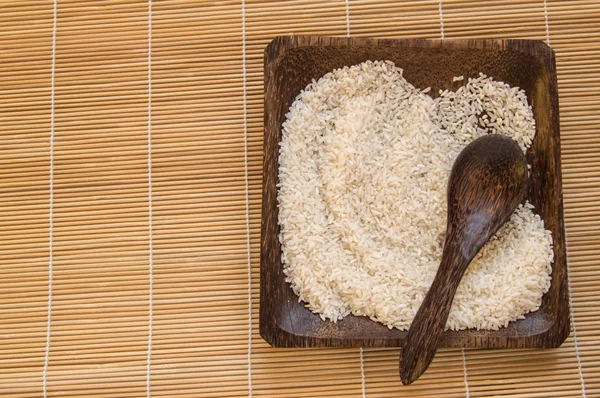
[{"x": 130, "y": 153}]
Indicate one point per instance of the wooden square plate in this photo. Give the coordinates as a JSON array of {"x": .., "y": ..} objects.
[{"x": 292, "y": 62}]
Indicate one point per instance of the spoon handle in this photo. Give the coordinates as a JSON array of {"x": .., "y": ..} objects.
[{"x": 428, "y": 325}]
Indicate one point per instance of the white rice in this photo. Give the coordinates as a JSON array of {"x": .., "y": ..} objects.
[{"x": 364, "y": 162}]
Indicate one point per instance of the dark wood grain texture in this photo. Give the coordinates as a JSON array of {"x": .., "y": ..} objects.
[
  {"x": 292, "y": 62},
  {"x": 486, "y": 184}
]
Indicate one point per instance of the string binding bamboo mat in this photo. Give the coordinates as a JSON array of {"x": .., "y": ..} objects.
[{"x": 130, "y": 153}]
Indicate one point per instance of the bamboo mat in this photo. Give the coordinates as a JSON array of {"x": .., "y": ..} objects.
[{"x": 130, "y": 153}]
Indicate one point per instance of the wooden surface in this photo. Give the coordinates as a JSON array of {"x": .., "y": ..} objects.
[
  {"x": 206, "y": 119},
  {"x": 292, "y": 63}
]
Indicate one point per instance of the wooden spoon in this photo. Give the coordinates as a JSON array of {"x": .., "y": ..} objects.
[{"x": 486, "y": 185}]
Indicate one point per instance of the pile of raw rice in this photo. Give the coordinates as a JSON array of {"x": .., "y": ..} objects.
[{"x": 364, "y": 162}]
